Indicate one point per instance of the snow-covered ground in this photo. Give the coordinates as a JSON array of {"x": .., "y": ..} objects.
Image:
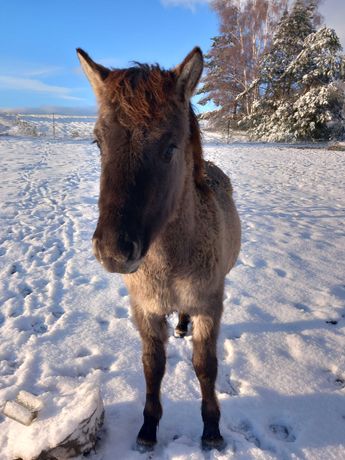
[{"x": 65, "y": 324}]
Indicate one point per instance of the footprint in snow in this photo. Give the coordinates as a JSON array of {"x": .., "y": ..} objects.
[
  {"x": 9, "y": 365},
  {"x": 14, "y": 268},
  {"x": 80, "y": 280},
  {"x": 230, "y": 332},
  {"x": 2, "y": 251},
  {"x": 98, "y": 283},
  {"x": 39, "y": 327},
  {"x": 121, "y": 312},
  {"x": 339, "y": 291},
  {"x": 339, "y": 382},
  {"x": 104, "y": 323},
  {"x": 336, "y": 380},
  {"x": 25, "y": 291},
  {"x": 229, "y": 386},
  {"x": 30, "y": 324},
  {"x": 302, "y": 307},
  {"x": 57, "y": 313},
  {"x": 245, "y": 429},
  {"x": 282, "y": 432},
  {"x": 83, "y": 353},
  {"x": 123, "y": 292},
  {"x": 280, "y": 272}
]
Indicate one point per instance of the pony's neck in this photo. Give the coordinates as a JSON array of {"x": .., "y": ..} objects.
[
  {"x": 194, "y": 184},
  {"x": 179, "y": 233},
  {"x": 196, "y": 148}
]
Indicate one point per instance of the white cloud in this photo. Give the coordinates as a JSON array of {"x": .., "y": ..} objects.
[
  {"x": 30, "y": 84},
  {"x": 41, "y": 71},
  {"x": 190, "y": 4},
  {"x": 28, "y": 69}
]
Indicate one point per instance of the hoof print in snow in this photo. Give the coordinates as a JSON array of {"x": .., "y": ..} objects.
[
  {"x": 123, "y": 292},
  {"x": 335, "y": 380},
  {"x": 57, "y": 313},
  {"x": 282, "y": 432},
  {"x": 245, "y": 428},
  {"x": 68, "y": 426},
  {"x": 13, "y": 269},
  {"x": 25, "y": 291},
  {"x": 229, "y": 386},
  {"x": 339, "y": 382}
]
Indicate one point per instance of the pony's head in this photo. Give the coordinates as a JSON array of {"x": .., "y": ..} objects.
[{"x": 143, "y": 131}]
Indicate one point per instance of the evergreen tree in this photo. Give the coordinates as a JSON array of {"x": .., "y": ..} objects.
[{"x": 300, "y": 96}]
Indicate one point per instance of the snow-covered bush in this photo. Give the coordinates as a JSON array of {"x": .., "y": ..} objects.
[{"x": 25, "y": 128}]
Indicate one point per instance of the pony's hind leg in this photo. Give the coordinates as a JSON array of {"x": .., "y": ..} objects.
[
  {"x": 205, "y": 333},
  {"x": 153, "y": 332},
  {"x": 182, "y": 325}
]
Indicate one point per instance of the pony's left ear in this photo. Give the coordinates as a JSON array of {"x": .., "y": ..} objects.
[
  {"x": 96, "y": 73},
  {"x": 189, "y": 73}
]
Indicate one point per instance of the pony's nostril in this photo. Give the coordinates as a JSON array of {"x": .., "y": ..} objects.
[
  {"x": 136, "y": 251},
  {"x": 129, "y": 248}
]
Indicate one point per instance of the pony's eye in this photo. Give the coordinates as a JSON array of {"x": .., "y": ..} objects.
[{"x": 169, "y": 152}]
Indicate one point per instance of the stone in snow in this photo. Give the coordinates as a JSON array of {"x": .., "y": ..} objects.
[
  {"x": 30, "y": 401},
  {"x": 19, "y": 413},
  {"x": 66, "y": 427}
]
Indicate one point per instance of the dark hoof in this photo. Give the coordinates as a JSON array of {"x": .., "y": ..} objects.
[
  {"x": 216, "y": 442},
  {"x": 147, "y": 438},
  {"x": 143, "y": 445}
]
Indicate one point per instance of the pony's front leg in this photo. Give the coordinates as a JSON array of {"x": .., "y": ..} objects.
[
  {"x": 153, "y": 332},
  {"x": 205, "y": 334}
]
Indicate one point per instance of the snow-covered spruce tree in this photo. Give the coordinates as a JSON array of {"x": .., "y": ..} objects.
[{"x": 300, "y": 92}]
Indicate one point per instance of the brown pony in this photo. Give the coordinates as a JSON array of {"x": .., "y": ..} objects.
[{"x": 167, "y": 220}]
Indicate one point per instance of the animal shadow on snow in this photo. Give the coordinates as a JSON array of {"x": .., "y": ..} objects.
[{"x": 236, "y": 330}]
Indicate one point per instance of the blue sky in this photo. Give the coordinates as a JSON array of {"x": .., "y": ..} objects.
[{"x": 38, "y": 64}]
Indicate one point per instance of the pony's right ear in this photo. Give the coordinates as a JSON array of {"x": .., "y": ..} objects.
[{"x": 95, "y": 73}]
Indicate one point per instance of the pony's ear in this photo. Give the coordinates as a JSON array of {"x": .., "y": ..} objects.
[
  {"x": 189, "y": 73},
  {"x": 95, "y": 73}
]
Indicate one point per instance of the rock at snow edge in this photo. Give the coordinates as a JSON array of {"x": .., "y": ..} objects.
[
  {"x": 67, "y": 427},
  {"x": 81, "y": 441}
]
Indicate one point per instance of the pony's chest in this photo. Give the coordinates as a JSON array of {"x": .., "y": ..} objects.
[
  {"x": 153, "y": 293},
  {"x": 164, "y": 294}
]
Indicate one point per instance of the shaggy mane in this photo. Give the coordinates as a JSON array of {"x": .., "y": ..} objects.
[{"x": 142, "y": 93}]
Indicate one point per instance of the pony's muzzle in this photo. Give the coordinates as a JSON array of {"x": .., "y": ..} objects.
[{"x": 125, "y": 259}]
